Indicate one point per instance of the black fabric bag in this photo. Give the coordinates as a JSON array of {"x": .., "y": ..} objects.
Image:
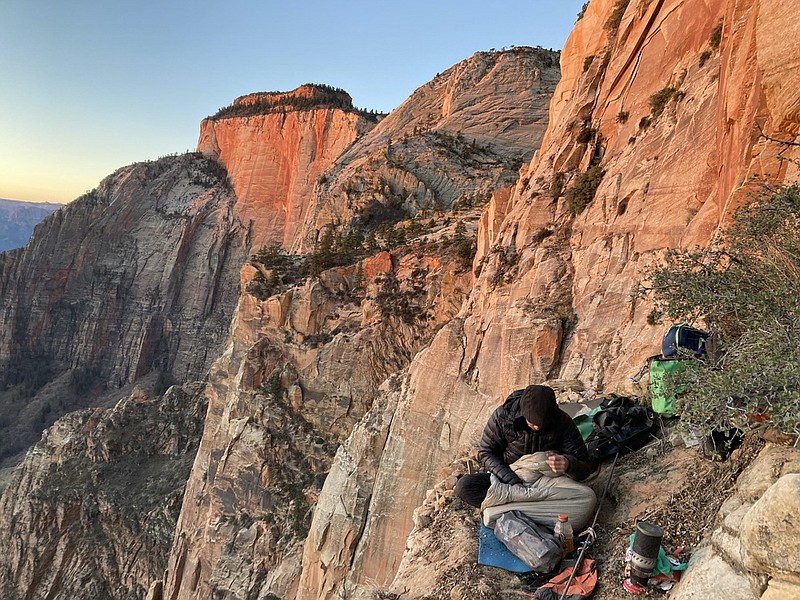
[{"x": 620, "y": 426}]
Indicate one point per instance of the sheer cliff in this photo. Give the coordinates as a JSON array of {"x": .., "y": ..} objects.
[
  {"x": 134, "y": 283},
  {"x": 141, "y": 275},
  {"x": 305, "y": 362},
  {"x": 307, "y": 355},
  {"x": 453, "y": 142},
  {"x": 667, "y": 115},
  {"x": 275, "y": 146},
  {"x": 113, "y": 295},
  {"x": 137, "y": 277}
]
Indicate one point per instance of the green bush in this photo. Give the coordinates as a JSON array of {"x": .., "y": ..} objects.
[
  {"x": 465, "y": 247},
  {"x": 557, "y": 185},
  {"x": 744, "y": 286},
  {"x": 613, "y": 22},
  {"x": 273, "y": 385},
  {"x": 716, "y": 37},
  {"x": 283, "y": 270},
  {"x": 585, "y": 135},
  {"x": 583, "y": 189},
  {"x": 271, "y": 257},
  {"x": 325, "y": 96},
  {"x": 334, "y": 247},
  {"x": 658, "y": 101}
]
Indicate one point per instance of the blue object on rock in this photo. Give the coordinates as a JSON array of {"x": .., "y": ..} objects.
[{"x": 493, "y": 553}]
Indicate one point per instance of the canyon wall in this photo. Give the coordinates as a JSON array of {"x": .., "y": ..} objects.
[
  {"x": 304, "y": 364},
  {"x": 128, "y": 278},
  {"x": 141, "y": 275},
  {"x": 96, "y": 500},
  {"x": 145, "y": 268},
  {"x": 135, "y": 282},
  {"x": 452, "y": 143},
  {"x": 675, "y": 105},
  {"x": 138, "y": 277},
  {"x": 668, "y": 114}
]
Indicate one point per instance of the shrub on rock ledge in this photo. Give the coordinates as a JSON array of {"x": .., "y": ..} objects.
[{"x": 744, "y": 287}]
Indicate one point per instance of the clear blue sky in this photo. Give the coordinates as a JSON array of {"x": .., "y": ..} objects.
[{"x": 88, "y": 86}]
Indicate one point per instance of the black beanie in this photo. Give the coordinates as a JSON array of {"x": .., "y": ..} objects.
[{"x": 538, "y": 404}]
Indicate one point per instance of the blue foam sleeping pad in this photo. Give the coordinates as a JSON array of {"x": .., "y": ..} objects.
[{"x": 493, "y": 553}]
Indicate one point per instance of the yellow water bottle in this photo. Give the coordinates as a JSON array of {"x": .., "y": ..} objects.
[{"x": 563, "y": 532}]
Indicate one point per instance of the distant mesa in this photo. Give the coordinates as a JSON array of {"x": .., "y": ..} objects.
[
  {"x": 310, "y": 92},
  {"x": 305, "y": 97}
]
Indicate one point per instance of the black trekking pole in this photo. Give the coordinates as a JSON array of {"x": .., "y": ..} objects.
[{"x": 590, "y": 534}]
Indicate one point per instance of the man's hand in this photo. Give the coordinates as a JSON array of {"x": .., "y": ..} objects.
[{"x": 558, "y": 462}]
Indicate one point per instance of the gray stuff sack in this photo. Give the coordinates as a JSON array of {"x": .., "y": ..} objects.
[{"x": 530, "y": 542}]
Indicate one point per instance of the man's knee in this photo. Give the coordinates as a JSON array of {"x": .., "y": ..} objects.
[{"x": 472, "y": 488}]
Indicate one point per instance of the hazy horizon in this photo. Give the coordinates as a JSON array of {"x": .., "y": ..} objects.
[{"x": 31, "y": 201}]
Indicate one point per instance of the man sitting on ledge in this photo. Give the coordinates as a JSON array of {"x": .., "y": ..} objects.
[{"x": 529, "y": 423}]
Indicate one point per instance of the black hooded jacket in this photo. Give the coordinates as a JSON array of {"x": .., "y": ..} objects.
[{"x": 507, "y": 438}]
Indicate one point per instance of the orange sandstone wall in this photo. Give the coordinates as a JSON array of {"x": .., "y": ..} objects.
[{"x": 274, "y": 160}]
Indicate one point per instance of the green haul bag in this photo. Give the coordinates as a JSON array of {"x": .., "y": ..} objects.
[{"x": 661, "y": 370}]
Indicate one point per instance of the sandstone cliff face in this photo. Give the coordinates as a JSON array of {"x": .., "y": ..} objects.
[
  {"x": 279, "y": 402},
  {"x": 670, "y": 178},
  {"x": 667, "y": 115},
  {"x": 274, "y": 159},
  {"x": 304, "y": 365},
  {"x": 128, "y": 278},
  {"x": 555, "y": 297},
  {"x": 454, "y": 141},
  {"x": 138, "y": 276},
  {"x": 94, "y": 504}
]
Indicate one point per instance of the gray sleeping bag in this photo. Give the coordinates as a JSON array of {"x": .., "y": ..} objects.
[{"x": 544, "y": 496}]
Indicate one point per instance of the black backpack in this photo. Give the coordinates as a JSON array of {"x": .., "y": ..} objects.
[
  {"x": 683, "y": 339},
  {"x": 620, "y": 426}
]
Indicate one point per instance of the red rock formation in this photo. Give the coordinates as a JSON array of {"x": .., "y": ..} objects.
[
  {"x": 670, "y": 116},
  {"x": 274, "y": 159},
  {"x": 670, "y": 180}
]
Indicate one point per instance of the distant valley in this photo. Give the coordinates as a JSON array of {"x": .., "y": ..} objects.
[{"x": 17, "y": 220}]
